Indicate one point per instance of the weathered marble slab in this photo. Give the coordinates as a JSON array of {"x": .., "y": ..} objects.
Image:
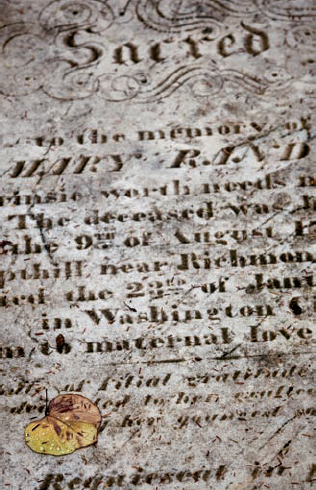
[{"x": 158, "y": 213}]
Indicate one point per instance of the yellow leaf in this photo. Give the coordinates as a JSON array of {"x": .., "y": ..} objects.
[{"x": 72, "y": 422}]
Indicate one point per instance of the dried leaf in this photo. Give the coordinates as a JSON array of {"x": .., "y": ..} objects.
[{"x": 72, "y": 422}]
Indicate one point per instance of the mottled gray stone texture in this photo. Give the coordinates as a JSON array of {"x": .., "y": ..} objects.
[{"x": 158, "y": 222}]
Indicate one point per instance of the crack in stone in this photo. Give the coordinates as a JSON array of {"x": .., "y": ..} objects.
[{"x": 277, "y": 431}]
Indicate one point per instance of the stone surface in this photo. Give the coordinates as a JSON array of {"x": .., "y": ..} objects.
[{"x": 157, "y": 251}]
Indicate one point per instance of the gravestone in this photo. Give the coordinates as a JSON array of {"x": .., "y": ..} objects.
[{"x": 158, "y": 212}]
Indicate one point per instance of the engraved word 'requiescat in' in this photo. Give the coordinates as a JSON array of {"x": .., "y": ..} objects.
[
  {"x": 192, "y": 476},
  {"x": 141, "y": 477}
]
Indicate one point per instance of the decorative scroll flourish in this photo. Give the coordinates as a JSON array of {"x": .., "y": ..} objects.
[
  {"x": 289, "y": 10},
  {"x": 23, "y": 72},
  {"x": 59, "y": 53},
  {"x": 73, "y": 71},
  {"x": 203, "y": 82},
  {"x": 188, "y": 15},
  {"x": 303, "y": 36},
  {"x": 302, "y": 39},
  {"x": 70, "y": 13},
  {"x": 174, "y": 16},
  {"x": 67, "y": 74},
  {"x": 63, "y": 55}
]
